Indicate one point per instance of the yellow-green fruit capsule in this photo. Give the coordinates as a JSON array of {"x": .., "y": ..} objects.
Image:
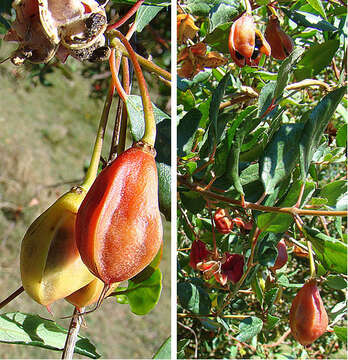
[{"x": 51, "y": 267}]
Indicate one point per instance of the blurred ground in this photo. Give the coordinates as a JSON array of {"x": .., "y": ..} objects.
[{"x": 46, "y": 138}]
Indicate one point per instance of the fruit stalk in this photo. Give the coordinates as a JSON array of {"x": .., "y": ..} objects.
[
  {"x": 150, "y": 124},
  {"x": 93, "y": 167}
]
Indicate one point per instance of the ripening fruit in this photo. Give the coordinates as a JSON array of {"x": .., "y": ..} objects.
[
  {"x": 246, "y": 43},
  {"x": 308, "y": 317},
  {"x": 282, "y": 257},
  {"x": 118, "y": 225},
  {"x": 50, "y": 264},
  {"x": 89, "y": 294},
  {"x": 281, "y": 43},
  {"x": 223, "y": 222}
]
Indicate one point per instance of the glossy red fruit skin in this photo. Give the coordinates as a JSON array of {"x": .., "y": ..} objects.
[
  {"x": 282, "y": 257},
  {"x": 223, "y": 223},
  {"x": 308, "y": 317},
  {"x": 118, "y": 225}
]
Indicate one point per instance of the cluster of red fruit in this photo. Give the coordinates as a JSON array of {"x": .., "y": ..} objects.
[{"x": 308, "y": 317}]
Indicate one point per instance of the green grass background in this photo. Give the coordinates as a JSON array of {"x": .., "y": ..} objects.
[{"x": 46, "y": 138}]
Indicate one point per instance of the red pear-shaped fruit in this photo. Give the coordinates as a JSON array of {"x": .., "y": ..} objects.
[
  {"x": 308, "y": 317},
  {"x": 118, "y": 226}
]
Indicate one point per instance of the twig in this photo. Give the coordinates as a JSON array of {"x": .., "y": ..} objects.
[
  {"x": 241, "y": 317},
  {"x": 252, "y": 348},
  {"x": 279, "y": 341},
  {"x": 188, "y": 223},
  {"x": 73, "y": 331},
  {"x": 286, "y": 210},
  {"x": 194, "y": 334},
  {"x": 11, "y": 297}
]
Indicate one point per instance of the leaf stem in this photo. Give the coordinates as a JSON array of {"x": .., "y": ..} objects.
[
  {"x": 150, "y": 124},
  {"x": 115, "y": 62},
  {"x": 129, "y": 14},
  {"x": 93, "y": 167},
  {"x": 73, "y": 332}
]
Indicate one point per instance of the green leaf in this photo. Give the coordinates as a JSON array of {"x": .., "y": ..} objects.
[
  {"x": 194, "y": 298},
  {"x": 218, "y": 39},
  {"x": 137, "y": 127},
  {"x": 182, "y": 344},
  {"x": 315, "y": 126},
  {"x": 336, "y": 282},
  {"x": 284, "y": 281},
  {"x": 266, "y": 97},
  {"x": 143, "y": 297},
  {"x": 318, "y": 6},
  {"x": 341, "y": 332},
  {"x": 332, "y": 253},
  {"x": 280, "y": 156},
  {"x": 286, "y": 70},
  {"x": 272, "y": 321},
  {"x": 192, "y": 201},
  {"x": 165, "y": 351},
  {"x": 164, "y": 190},
  {"x": 29, "y": 329},
  {"x": 221, "y": 14},
  {"x": 186, "y": 131},
  {"x": 278, "y": 222},
  {"x": 145, "y": 14},
  {"x": 267, "y": 249},
  {"x": 316, "y": 58},
  {"x": 334, "y": 192},
  {"x": 341, "y": 137},
  {"x": 203, "y": 7},
  {"x": 248, "y": 328},
  {"x": 308, "y": 20},
  {"x": 147, "y": 2}
]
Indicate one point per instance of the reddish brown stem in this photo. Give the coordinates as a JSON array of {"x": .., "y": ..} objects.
[
  {"x": 129, "y": 14},
  {"x": 11, "y": 297}
]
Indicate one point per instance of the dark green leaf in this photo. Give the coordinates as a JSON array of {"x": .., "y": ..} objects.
[
  {"x": 146, "y": 2},
  {"x": 267, "y": 249},
  {"x": 143, "y": 297},
  {"x": 278, "y": 222},
  {"x": 315, "y": 126},
  {"x": 28, "y": 329},
  {"x": 270, "y": 297},
  {"x": 272, "y": 321},
  {"x": 165, "y": 351},
  {"x": 280, "y": 156},
  {"x": 186, "y": 131},
  {"x": 316, "y": 58},
  {"x": 249, "y": 328},
  {"x": 266, "y": 97},
  {"x": 164, "y": 192},
  {"x": 192, "y": 201},
  {"x": 182, "y": 344},
  {"x": 336, "y": 282},
  {"x": 308, "y": 20},
  {"x": 334, "y": 192},
  {"x": 194, "y": 298},
  {"x": 286, "y": 70},
  {"x": 332, "y": 253},
  {"x": 218, "y": 39}
]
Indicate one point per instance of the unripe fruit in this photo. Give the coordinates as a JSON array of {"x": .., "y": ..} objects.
[
  {"x": 282, "y": 257},
  {"x": 89, "y": 294},
  {"x": 118, "y": 225},
  {"x": 50, "y": 264},
  {"x": 308, "y": 317}
]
